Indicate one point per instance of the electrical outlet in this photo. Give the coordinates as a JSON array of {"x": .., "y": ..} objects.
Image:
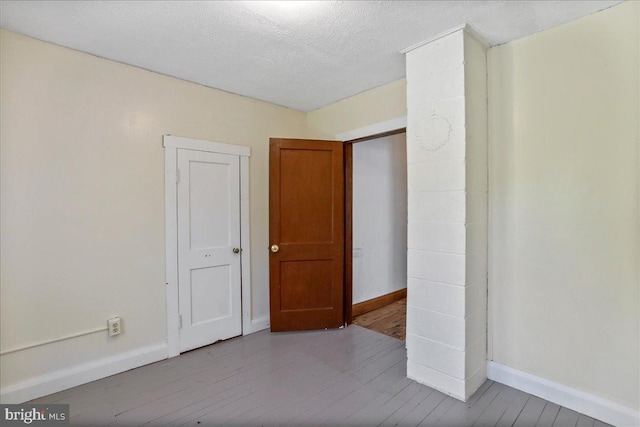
[{"x": 115, "y": 327}]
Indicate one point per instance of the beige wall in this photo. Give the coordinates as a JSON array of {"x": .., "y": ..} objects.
[
  {"x": 564, "y": 252},
  {"x": 367, "y": 108},
  {"x": 82, "y": 212}
]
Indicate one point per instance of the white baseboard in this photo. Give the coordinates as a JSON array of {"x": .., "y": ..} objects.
[
  {"x": 76, "y": 375},
  {"x": 260, "y": 323},
  {"x": 579, "y": 401}
]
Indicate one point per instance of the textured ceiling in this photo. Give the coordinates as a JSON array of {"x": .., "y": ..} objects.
[{"x": 299, "y": 54}]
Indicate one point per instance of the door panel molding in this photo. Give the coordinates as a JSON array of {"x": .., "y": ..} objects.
[{"x": 171, "y": 146}]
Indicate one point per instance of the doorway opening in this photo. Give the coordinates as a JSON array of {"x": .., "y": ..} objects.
[
  {"x": 311, "y": 228},
  {"x": 376, "y": 226}
]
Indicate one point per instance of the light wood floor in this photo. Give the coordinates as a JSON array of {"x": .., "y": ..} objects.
[
  {"x": 390, "y": 320},
  {"x": 350, "y": 376}
]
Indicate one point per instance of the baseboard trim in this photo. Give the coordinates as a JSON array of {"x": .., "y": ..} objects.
[
  {"x": 579, "y": 401},
  {"x": 260, "y": 323},
  {"x": 381, "y": 301},
  {"x": 63, "y": 379}
]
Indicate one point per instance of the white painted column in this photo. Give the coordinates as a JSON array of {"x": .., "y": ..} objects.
[{"x": 447, "y": 227}]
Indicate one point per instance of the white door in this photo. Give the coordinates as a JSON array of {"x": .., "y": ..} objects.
[{"x": 208, "y": 248}]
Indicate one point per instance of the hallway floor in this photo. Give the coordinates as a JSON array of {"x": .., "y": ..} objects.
[{"x": 390, "y": 320}]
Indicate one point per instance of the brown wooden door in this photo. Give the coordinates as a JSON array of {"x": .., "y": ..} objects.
[{"x": 306, "y": 224}]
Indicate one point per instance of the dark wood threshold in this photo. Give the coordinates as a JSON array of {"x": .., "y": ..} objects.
[{"x": 375, "y": 303}]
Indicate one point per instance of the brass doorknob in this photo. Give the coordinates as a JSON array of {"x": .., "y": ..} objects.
[
  {"x": 275, "y": 248},
  {"x": 236, "y": 250}
]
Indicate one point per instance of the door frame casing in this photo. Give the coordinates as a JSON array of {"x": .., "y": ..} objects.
[
  {"x": 366, "y": 133},
  {"x": 171, "y": 146},
  {"x": 373, "y": 130}
]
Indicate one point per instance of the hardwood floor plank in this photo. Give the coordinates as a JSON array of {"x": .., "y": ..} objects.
[
  {"x": 515, "y": 408},
  {"x": 379, "y": 414},
  {"x": 407, "y": 407},
  {"x": 391, "y": 380},
  {"x": 291, "y": 389},
  {"x": 421, "y": 411},
  {"x": 343, "y": 409},
  {"x": 530, "y": 413},
  {"x": 383, "y": 363},
  {"x": 566, "y": 418},
  {"x": 548, "y": 415},
  {"x": 480, "y": 392},
  {"x": 389, "y": 320},
  {"x": 463, "y": 414},
  {"x": 320, "y": 402},
  {"x": 207, "y": 395},
  {"x": 585, "y": 421},
  {"x": 433, "y": 417},
  {"x": 242, "y": 391},
  {"x": 312, "y": 397},
  {"x": 496, "y": 409}
]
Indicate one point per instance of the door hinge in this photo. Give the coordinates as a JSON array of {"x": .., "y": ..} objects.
[
  {"x": 177, "y": 176},
  {"x": 180, "y": 320}
]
